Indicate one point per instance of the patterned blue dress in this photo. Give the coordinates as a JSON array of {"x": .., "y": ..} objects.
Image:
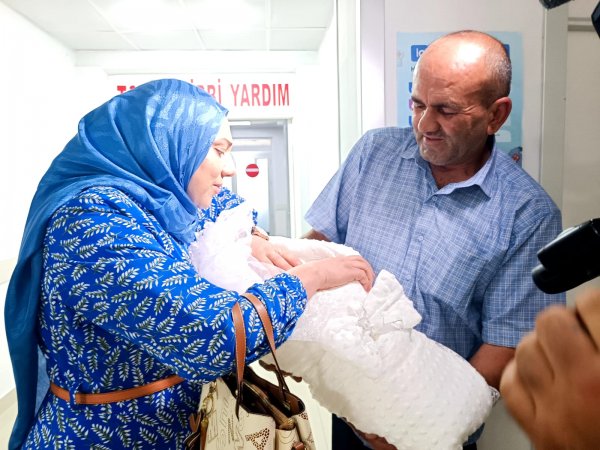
[{"x": 122, "y": 306}]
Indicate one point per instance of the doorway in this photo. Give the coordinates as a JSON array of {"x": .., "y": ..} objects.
[{"x": 260, "y": 154}]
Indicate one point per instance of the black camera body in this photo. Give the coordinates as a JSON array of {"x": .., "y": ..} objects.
[
  {"x": 569, "y": 260},
  {"x": 596, "y": 18}
]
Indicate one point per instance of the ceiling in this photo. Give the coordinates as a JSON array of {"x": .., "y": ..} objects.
[{"x": 126, "y": 25}]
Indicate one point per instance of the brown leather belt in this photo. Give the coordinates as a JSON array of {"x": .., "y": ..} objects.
[{"x": 117, "y": 396}]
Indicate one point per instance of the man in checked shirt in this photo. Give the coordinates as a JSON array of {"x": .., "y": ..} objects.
[{"x": 447, "y": 212}]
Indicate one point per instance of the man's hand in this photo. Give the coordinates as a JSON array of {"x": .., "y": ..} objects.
[
  {"x": 552, "y": 387},
  {"x": 490, "y": 361},
  {"x": 376, "y": 442},
  {"x": 264, "y": 251},
  {"x": 314, "y": 234}
]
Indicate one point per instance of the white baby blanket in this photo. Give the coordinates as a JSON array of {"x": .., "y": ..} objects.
[{"x": 358, "y": 352}]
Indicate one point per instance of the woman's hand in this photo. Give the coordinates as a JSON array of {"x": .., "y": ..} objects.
[
  {"x": 264, "y": 251},
  {"x": 332, "y": 272}
]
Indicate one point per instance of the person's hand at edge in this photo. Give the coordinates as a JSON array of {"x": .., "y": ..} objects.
[{"x": 552, "y": 386}]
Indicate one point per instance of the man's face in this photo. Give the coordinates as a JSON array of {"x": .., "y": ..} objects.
[{"x": 450, "y": 119}]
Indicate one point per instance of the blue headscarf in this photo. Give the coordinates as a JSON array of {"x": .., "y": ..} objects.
[{"x": 147, "y": 142}]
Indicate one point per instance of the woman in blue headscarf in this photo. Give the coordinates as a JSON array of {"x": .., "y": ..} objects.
[{"x": 104, "y": 298}]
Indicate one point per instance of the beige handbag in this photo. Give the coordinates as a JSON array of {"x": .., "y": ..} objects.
[{"x": 265, "y": 416}]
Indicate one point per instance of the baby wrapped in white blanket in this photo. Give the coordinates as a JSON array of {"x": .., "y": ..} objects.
[{"x": 358, "y": 352}]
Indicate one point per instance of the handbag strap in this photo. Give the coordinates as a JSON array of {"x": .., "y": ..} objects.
[
  {"x": 240, "y": 350},
  {"x": 268, "y": 327},
  {"x": 240, "y": 345},
  {"x": 264, "y": 318}
]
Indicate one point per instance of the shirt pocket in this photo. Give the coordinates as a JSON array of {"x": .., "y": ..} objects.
[{"x": 449, "y": 273}]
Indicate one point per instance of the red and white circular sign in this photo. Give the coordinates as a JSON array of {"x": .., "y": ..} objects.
[{"x": 252, "y": 170}]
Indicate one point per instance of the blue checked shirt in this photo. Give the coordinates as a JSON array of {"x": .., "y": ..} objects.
[{"x": 463, "y": 253}]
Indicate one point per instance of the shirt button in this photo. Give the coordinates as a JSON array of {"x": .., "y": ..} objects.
[{"x": 420, "y": 238}]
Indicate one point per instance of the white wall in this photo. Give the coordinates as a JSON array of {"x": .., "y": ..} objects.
[
  {"x": 581, "y": 198},
  {"x": 36, "y": 74},
  {"x": 41, "y": 103},
  {"x": 581, "y": 180},
  {"x": 314, "y": 153},
  {"x": 35, "y": 81},
  {"x": 348, "y": 62}
]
